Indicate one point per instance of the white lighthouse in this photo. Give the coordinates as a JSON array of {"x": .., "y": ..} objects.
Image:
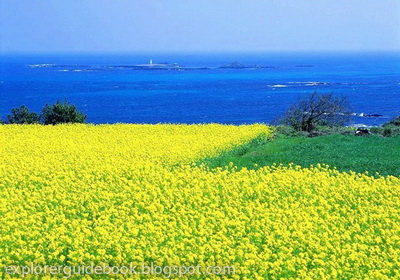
[{"x": 151, "y": 62}]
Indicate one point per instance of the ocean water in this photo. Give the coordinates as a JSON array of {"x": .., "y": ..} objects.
[{"x": 109, "y": 94}]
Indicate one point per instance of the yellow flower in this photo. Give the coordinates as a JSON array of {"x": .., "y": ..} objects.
[{"x": 81, "y": 194}]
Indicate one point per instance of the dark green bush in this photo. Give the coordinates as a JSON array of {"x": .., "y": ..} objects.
[
  {"x": 61, "y": 112},
  {"x": 328, "y": 130},
  {"x": 394, "y": 122},
  {"x": 386, "y": 131},
  {"x": 22, "y": 115},
  {"x": 391, "y": 130},
  {"x": 376, "y": 130},
  {"x": 289, "y": 131}
]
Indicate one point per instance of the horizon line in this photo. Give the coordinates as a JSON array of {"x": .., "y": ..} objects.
[{"x": 194, "y": 52}]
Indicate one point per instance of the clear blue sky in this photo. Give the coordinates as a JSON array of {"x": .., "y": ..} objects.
[{"x": 198, "y": 25}]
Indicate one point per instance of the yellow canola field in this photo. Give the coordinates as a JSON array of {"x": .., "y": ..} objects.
[{"x": 113, "y": 195}]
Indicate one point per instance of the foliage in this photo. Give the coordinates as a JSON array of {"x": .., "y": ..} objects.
[
  {"x": 391, "y": 130},
  {"x": 386, "y": 130},
  {"x": 115, "y": 194},
  {"x": 315, "y": 110},
  {"x": 318, "y": 131},
  {"x": 22, "y": 115},
  {"x": 394, "y": 122},
  {"x": 329, "y": 130},
  {"x": 377, "y": 130},
  {"x": 62, "y": 112},
  {"x": 289, "y": 131}
]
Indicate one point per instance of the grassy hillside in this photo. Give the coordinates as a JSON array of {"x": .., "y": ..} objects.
[{"x": 346, "y": 152}]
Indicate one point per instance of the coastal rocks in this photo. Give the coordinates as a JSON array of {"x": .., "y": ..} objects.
[
  {"x": 238, "y": 65},
  {"x": 370, "y": 115}
]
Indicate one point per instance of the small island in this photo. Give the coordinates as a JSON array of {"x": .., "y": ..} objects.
[{"x": 238, "y": 65}]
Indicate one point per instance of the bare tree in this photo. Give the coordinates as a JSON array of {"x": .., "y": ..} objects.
[{"x": 317, "y": 109}]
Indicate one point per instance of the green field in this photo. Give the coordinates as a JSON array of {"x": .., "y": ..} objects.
[{"x": 345, "y": 152}]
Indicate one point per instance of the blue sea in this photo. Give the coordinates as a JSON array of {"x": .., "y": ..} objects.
[{"x": 108, "y": 92}]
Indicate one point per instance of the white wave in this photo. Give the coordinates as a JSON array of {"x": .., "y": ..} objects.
[
  {"x": 41, "y": 65},
  {"x": 277, "y": 86}
]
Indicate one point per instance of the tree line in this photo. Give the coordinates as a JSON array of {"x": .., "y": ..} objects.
[{"x": 59, "y": 112}]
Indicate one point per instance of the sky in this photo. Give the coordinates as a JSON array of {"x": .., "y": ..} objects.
[{"x": 40, "y": 26}]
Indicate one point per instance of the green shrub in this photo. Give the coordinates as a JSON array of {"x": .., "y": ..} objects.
[
  {"x": 289, "y": 131},
  {"x": 61, "y": 112},
  {"x": 22, "y": 115},
  {"x": 386, "y": 131},
  {"x": 328, "y": 130},
  {"x": 394, "y": 122},
  {"x": 391, "y": 130},
  {"x": 376, "y": 130}
]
